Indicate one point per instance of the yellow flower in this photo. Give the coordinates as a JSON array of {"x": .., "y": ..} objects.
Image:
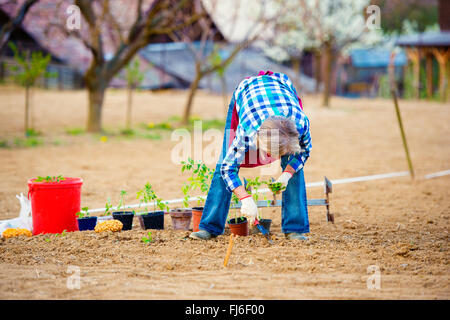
[
  {"x": 150, "y": 125},
  {"x": 104, "y": 139}
]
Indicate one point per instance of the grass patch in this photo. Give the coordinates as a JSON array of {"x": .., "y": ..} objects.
[
  {"x": 157, "y": 126},
  {"x": 128, "y": 132},
  {"x": 30, "y": 133},
  {"x": 4, "y": 144},
  {"x": 152, "y": 136},
  {"x": 27, "y": 142},
  {"x": 75, "y": 131}
]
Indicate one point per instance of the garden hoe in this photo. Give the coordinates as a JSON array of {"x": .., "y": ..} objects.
[{"x": 263, "y": 230}]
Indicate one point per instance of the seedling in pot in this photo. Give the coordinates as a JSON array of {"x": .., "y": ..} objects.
[
  {"x": 121, "y": 200},
  {"x": 235, "y": 201},
  {"x": 238, "y": 225},
  {"x": 85, "y": 221},
  {"x": 200, "y": 178},
  {"x": 108, "y": 207},
  {"x": 126, "y": 217},
  {"x": 83, "y": 213},
  {"x": 155, "y": 219},
  {"x": 49, "y": 179},
  {"x": 147, "y": 195},
  {"x": 256, "y": 184}
]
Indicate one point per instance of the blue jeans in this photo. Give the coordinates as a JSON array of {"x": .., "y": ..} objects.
[{"x": 294, "y": 212}]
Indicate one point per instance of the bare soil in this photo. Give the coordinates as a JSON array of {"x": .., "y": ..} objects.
[{"x": 399, "y": 225}]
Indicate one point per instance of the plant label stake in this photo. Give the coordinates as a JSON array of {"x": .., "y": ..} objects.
[
  {"x": 263, "y": 230},
  {"x": 230, "y": 246}
]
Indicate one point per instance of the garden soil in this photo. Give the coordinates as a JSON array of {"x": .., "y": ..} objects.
[{"x": 396, "y": 228}]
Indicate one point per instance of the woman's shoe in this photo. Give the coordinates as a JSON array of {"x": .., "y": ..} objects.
[
  {"x": 201, "y": 235},
  {"x": 296, "y": 236}
]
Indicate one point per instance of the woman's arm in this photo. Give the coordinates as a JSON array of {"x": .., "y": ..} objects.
[{"x": 240, "y": 192}]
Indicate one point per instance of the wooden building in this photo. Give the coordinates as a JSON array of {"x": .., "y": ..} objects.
[{"x": 426, "y": 47}]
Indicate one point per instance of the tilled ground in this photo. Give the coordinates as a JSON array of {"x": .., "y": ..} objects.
[{"x": 396, "y": 226}]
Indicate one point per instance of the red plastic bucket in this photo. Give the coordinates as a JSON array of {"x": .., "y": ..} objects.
[{"x": 54, "y": 205}]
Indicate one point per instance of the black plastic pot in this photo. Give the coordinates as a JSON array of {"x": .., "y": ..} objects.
[
  {"x": 265, "y": 223},
  {"x": 126, "y": 217},
  {"x": 87, "y": 223},
  {"x": 152, "y": 220}
]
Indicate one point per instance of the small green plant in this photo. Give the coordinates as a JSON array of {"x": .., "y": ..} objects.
[
  {"x": 200, "y": 178},
  {"x": 83, "y": 213},
  {"x": 147, "y": 195},
  {"x": 235, "y": 201},
  {"x": 275, "y": 187},
  {"x": 50, "y": 179},
  {"x": 147, "y": 239},
  {"x": 62, "y": 234},
  {"x": 254, "y": 185},
  {"x": 121, "y": 203},
  {"x": 108, "y": 207}
]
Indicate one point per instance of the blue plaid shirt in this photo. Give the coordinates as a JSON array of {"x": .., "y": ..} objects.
[{"x": 258, "y": 98}]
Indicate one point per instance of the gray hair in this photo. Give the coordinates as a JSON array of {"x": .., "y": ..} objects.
[{"x": 279, "y": 136}]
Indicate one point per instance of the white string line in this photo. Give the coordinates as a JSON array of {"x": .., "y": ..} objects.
[
  {"x": 265, "y": 190},
  {"x": 437, "y": 174}
]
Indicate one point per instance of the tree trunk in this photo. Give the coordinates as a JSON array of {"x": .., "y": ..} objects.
[
  {"x": 223, "y": 84},
  {"x": 295, "y": 61},
  {"x": 96, "y": 95},
  {"x": 27, "y": 109},
  {"x": 192, "y": 90},
  {"x": 317, "y": 70},
  {"x": 327, "y": 76},
  {"x": 129, "y": 103}
]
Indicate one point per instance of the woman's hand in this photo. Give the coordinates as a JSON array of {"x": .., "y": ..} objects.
[
  {"x": 249, "y": 209},
  {"x": 285, "y": 176}
]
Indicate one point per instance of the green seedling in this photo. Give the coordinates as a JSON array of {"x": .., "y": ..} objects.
[
  {"x": 121, "y": 203},
  {"x": 108, "y": 207},
  {"x": 255, "y": 184},
  {"x": 276, "y": 187},
  {"x": 83, "y": 213},
  {"x": 235, "y": 201},
  {"x": 200, "y": 178},
  {"x": 147, "y": 195},
  {"x": 49, "y": 179},
  {"x": 62, "y": 234},
  {"x": 148, "y": 239}
]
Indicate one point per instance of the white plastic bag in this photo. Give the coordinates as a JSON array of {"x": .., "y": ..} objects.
[{"x": 23, "y": 221}]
